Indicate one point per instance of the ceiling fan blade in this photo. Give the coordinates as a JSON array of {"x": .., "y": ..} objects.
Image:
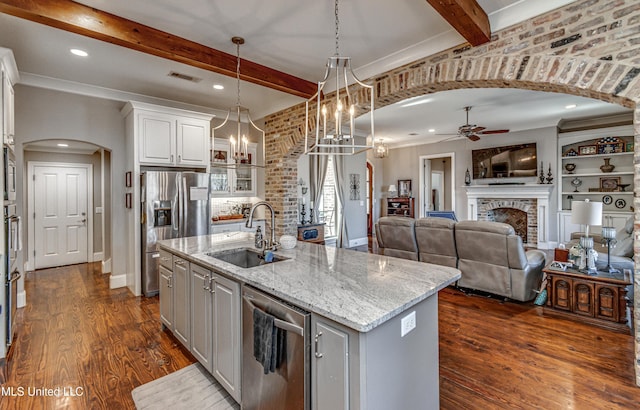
[
  {"x": 473, "y": 137},
  {"x": 477, "y": 129},
  {"x": 494, "y": 132}
]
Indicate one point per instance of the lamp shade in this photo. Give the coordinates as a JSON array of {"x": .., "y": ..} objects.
[
  {"x": 586, "y": 213},
  {"x": 393, "y": 188}
]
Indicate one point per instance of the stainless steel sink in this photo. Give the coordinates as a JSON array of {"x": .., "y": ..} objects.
[{"x": 243, "y": 257}]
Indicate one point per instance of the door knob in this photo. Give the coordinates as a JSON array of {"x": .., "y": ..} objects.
[{"x": 83, "y": 221}]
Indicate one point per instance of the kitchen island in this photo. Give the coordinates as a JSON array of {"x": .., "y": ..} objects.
[{"x": 374, "y": 319}]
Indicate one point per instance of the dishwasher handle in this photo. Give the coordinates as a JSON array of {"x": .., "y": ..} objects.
[{"x": 281, "y": 324}]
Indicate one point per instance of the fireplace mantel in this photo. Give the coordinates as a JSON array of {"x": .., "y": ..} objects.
[{"x": 540, "y": 192}]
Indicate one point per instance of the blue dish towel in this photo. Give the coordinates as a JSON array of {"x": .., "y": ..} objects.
[{"x": 268, "y": 341}]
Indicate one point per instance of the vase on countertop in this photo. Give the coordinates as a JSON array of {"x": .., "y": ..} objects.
[{"x": 607, "y": 167}]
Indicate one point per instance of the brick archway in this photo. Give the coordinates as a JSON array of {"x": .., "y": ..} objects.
[{"x": 568, "y": 51}]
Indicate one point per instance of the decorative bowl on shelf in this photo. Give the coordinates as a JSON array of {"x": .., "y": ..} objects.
[
  {"x": 623, "y": 187},
  {"x": 288, "y": 241},
  {"x": 570, "y": 167},
  {"x": 395, "y": 204}
]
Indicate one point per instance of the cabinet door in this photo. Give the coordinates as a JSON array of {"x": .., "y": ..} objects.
[
  {"x": 561, "y": 293},
  {"x": 330, "y": 367},
  {"x": 166, "y": 297},
  {"x": 583, "y": 298},
  {"x": 220, "y": 168},
  {"x": 244, "y": 176},
  {"x": 192, "y": 142},
  {"x": 201, "y": 313},
  {"x": 607, "y": 302},
  {"x": 157, "y": 139},
  {"x": 226, "y": 334},
  {"x": 181, "y": 301}
]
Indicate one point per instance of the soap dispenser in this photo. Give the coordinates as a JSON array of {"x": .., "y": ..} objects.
[{"x": 258, "y": 241}]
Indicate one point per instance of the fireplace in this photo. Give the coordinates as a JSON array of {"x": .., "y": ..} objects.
[
  {"x": 525, "y": 207},
  {"x": 520, "y": 213}
]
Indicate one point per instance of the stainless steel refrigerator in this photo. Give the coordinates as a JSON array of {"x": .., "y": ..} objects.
[{"x": 174, "y": 205}]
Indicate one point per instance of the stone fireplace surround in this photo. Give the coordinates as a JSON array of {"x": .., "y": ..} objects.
[{"x": 530, "y": 198}]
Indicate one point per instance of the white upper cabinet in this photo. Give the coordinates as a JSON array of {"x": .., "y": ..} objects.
[
  {"x": 9, "y": 77},
  {"x": 170, "y": 137}
]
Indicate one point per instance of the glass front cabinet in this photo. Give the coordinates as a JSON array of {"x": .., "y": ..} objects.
[{"x": 230, "y": 177}]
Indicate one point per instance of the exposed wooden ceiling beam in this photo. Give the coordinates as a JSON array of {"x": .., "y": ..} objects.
[
  {"x": 80, "y": 19},
  {"x": 467, "y": 17}
]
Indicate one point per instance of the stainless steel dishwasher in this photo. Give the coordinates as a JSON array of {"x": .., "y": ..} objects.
[{"x": 289, "y": 386}]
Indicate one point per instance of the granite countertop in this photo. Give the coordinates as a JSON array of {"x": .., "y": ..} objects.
[{"x": 357, "y": 289}]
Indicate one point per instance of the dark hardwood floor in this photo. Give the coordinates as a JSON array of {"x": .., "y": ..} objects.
[{"x": 76, "y": 332}]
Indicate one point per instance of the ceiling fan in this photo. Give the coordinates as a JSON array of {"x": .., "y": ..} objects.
[{"x": 472, "y": 131}]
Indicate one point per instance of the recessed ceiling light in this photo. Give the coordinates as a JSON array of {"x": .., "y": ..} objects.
[
  {"x": 78, "y": 52},
  {"x": 413, "y": 134},
  {"x": 62, "y": 145},
  {"x": 570, "y": 106},
  {"x": 218, "y": 87},
  {"x": 432, "y": 130}
]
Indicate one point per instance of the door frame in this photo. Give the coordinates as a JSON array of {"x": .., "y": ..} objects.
[
  {"x": 30, "y": 217},
  {"x": 422, "y": 182}
]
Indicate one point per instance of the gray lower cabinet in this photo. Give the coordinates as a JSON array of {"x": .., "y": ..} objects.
[
  {"x": 166, "y": 297},
  {"x": 329, "y": 364},
  {"x": 216, "y": 326},
  {"x": 201, "y": 316},
  {"x": 227, "y": 342},
  {"x": 181, "y": 301}
]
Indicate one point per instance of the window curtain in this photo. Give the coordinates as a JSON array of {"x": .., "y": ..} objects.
[
  {"x": 342, "y": 181},
  {"x": 317, "y": 174}
]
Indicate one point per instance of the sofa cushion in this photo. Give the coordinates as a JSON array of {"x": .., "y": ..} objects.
[
  {"x": 436, "y": 241},
  {"x": 623, "y": 248},
  {"x": 396, "y": 237}
]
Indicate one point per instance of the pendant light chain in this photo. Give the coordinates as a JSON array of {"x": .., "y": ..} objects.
[
  {"x": 337, "y": 28},
  {"x": 238, "y": 70}
]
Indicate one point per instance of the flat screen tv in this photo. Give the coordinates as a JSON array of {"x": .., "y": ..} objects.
[{"x": 513, "y": 161}]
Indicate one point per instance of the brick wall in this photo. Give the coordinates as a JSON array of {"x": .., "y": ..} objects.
[{"x": 589, "y": 48}]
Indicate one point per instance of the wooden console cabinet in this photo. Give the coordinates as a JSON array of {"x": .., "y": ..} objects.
[
  {"x": 595, "y": 299},
  {"x": 403, "y": 207}
]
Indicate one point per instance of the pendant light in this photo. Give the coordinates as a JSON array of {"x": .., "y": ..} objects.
[
  {"x": 381, "y": 149},
  {"x": 334, "y": 119},
  {"x": 239, "y": 142}
]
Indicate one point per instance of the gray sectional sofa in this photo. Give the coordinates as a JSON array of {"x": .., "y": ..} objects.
[{"x": 490, "y": 255}]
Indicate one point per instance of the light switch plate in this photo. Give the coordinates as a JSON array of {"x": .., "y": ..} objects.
[{"x": 98, "y": 209}]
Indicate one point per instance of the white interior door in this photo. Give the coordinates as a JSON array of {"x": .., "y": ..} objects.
[{"x": 60, "y": 214}]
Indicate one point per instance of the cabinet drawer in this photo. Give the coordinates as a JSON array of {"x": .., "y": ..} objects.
[{"x": 166, "y": 259}]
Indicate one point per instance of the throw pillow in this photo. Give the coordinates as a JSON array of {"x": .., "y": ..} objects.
[{"x": 623, "y": 248}]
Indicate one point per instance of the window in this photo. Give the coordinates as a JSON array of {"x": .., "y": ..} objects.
[{"x": 327, "y": 210}]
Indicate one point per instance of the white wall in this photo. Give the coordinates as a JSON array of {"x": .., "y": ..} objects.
[
  {"x": 46, "y": 114},
  {"x": 403, "y": 163}
]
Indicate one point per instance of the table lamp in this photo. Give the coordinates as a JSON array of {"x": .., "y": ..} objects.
[
  {"x": 609, "y": 239},
  {"x": 587, "y": 213},
  {"x": 392, "y": 190}
]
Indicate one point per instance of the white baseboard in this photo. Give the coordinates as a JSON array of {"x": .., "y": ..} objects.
[
  {"x": 117, "y": 281},
  {"x": 106, "y": 266},
  {"x": 358, "y": 242},
  {"x": 97, "y": 256},
  {"x": 547, "y": 245},
  {"x": 21, "y": 299}
]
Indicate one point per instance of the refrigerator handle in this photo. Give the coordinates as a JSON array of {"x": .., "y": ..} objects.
[{"x": 184, "y": 214}]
